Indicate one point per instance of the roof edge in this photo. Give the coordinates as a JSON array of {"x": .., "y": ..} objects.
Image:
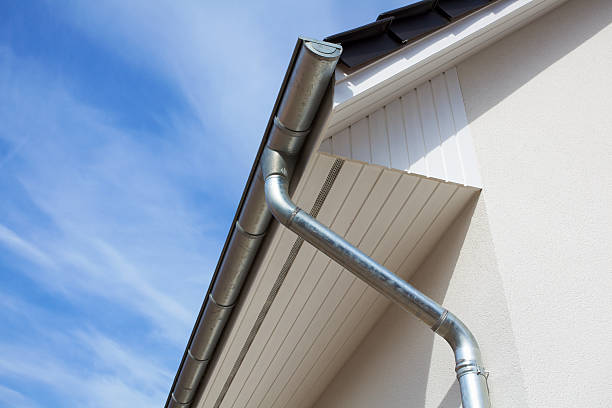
[
  {"x": 308, "y": 82},
  {"x": 374, "y": 85}
]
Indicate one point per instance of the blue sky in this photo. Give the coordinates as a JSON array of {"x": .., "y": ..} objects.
[{"x": 127, "y": 131}]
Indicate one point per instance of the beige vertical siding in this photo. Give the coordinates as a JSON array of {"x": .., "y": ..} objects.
[{"x": 322, "y": 311}]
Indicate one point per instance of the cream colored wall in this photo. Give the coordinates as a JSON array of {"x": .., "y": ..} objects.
[{"x": 528, "y": 266}]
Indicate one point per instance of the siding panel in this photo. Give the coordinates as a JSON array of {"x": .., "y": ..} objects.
[
  {"x": 341, "y": 143},
  {"x": 431, "y": 134},
  {"x": 379, "y": 142},
  {"x": 446, "y": 126},
  {"x": 373, "y": 219},
  {"x": 360, "y": 138},
  {"x": 464, "y": 137},
  {"x": 375, "y": 306},
  {"x": 326, "y": 146},
  {"x": 424, "y": 132},
  {"x": 414, "y": 134},
  {"x": 397, "y": 136}
]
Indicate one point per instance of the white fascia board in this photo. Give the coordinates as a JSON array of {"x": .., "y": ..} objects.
[{"x": 360, "y": 93}]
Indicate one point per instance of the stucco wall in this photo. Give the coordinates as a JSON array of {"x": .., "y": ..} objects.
[{"x": 529, "y": 265}]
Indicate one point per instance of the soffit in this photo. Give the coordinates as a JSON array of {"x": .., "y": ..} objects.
[
  {"x": 393, "y": 197},
  {"x": 424, "y": 131},
  {"x": 322, "y": 311}
]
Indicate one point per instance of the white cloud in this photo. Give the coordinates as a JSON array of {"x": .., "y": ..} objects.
[
  {"x": 133, "y": 366},
  {"x": 109, "y": 374},
  {"x": 227, "y": 58},
  {"x": 121, "y": 222},
  {"x": 22, "y": 247},
  {"x": 10, "y": 398}
]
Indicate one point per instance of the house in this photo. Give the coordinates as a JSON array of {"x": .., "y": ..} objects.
[{"x": 463, "y": 146}]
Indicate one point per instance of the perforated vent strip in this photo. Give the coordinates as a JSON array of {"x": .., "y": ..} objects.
[{"x": 325, "y": 189}]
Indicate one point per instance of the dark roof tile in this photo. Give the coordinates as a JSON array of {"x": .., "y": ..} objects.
[
  {"x": 455, "y": 9},
  {"x": 411, "y": 28},
  {"x": 410, "y": 10},
  {"x": 365, "y": 43},
  {"x": 397, "y": 28},
  {"x": 356, "y": 53},
  {"x": 369, "y": 30}
]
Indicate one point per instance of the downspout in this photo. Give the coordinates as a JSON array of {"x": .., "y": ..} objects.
[
  {"x": 469, "y": 369},
  {"x": 276, "y": 167}
]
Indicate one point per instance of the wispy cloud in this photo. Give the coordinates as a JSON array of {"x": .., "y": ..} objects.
[
  {"x": 227, "y": 59},
  {"x": 15, "y": 242},
  {"x": 12, "y": 398},
  {"x": 100, "y": 217},
  {"x": 120, "y": 226},
  {"x": 105, "y": 373}
]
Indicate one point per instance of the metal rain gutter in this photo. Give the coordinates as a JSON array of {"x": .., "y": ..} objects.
[{"x": 306, "y": 82}]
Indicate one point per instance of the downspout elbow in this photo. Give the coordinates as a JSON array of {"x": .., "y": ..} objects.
[
  {"x": 471, "y": 374},
  {"x": 279, "y": 203},
  {"x": 276, "y": 167}
]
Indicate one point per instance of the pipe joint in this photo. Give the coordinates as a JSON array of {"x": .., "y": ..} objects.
[
  {"x": 241, "y": 230},
  {"x": 279, "y": 202},
  {"x": 208, "y": 330},
  {"x": 471, "y": 374},
  {"x": 274, "y": 162},
  {"x": 458, "y": 336},
  {"x": 285, "y": 140},
  {"x": 255, "y": 217},
  {"x": 470, "y": 367},
  {"x": 439, "y": 322},
  {"x": 174, "y": 403}
]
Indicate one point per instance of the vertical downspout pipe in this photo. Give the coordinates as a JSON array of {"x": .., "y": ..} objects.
[{"x": 470, "y": 373}]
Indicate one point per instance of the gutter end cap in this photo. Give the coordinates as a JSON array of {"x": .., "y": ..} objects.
[{"x": 322, "y": 49}]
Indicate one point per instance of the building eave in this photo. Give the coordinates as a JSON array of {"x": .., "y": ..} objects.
[
  {"x": 356, "y": 95},
  {"x": 374, "y": 85}
]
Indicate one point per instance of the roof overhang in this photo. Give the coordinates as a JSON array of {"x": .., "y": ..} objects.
[
  {"x": 364, "y": 201},
  {"x": 378, "y": 83}
]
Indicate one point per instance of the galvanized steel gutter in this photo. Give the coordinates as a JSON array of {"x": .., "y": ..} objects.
[{"x": 307, "y": 79}]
